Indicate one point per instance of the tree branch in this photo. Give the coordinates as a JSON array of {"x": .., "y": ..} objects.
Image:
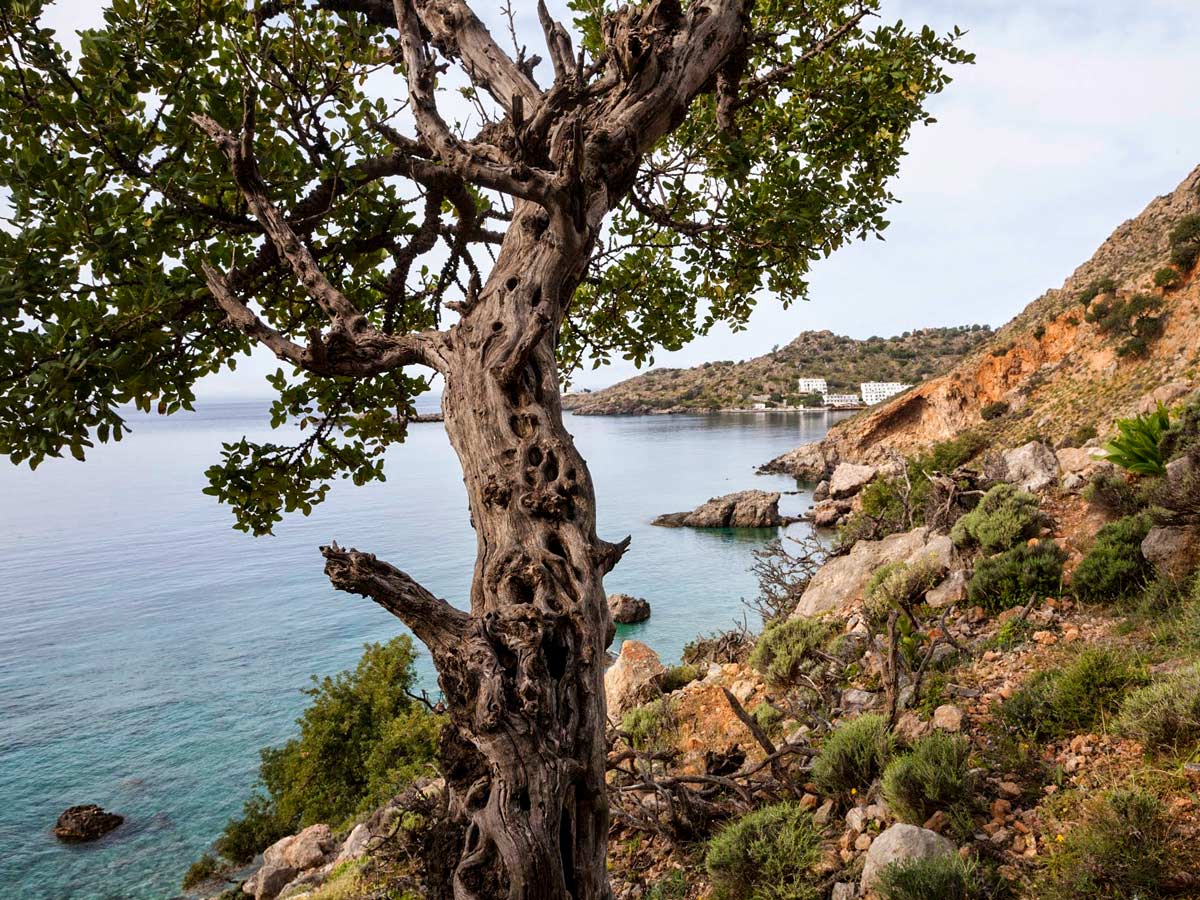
[{"x": 440, "y": 626}]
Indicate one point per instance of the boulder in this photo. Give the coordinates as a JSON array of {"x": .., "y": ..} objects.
[
  {"x": 355, "y": 844},
  {"x": 268, "y": 881},
  {"x": 627, "y": 610},
  {"x": 1173, "y": 550},
  {"x": 633, "y": 679},
  {"x": 809, "y": 462},
  {"x": 1181, "y": 468},
  {"x": 828, "y": 513},
  {"x": 821, "y": 491},
  {"x": 744, "y": 509},
  {"x": 953, "y": 589},
  {"x": 843, "y": 579},
  {"x": 901, "y": 843},
  {"x": 1080, "y": 460},
  {"x": 85, "y": 823},
  {"x": 301, "y": 851},
  {"x": 1166, "y": 393},
  {"x": 848, "y": 479},
  {"x": 1032, "y": 467},
  {"x": 948, "y": 717}
]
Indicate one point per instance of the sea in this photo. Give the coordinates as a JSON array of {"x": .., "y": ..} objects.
[{"x": 148, "y": 649}]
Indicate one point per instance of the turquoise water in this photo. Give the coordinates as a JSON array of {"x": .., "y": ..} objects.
[{"x": 147, "y": 650}]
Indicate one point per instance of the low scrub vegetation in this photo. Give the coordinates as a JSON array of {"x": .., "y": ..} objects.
[
  {"x": 935, "y": 775},
  {"x": 1015, "y": 576},
  {"x": 1165, "y": 715},
  {"x": 362, "y": 738},
  {"x": 650, "y": 726},
  {"x": 768, "y": 854},
  {"x": 934, "y": 878},
  {"x": 994, "y": 410},
  {"x": 1004, "y": 516},
  {"x": 1119, "y": 850},
  {"x": 853, "y": 755},
  {"x": 679, "y": 676},
  {"x": 1114, "y": 568},
  {"x": 1071, "y": 699},
  {"x": 790, "y": 649},
  {"x": 1185, "y": 243}
]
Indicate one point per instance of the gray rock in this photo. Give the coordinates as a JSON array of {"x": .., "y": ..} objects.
[
  {"x": 1173, "y": 550},
  {"x": 356, "y": 843},
  {"x": 1073, "y": 482},
  {"x": 948, "y": 717},
  {"x": 1032, "y": 467},
  {"x": 828, "y": 513},
  {"x": 953, "y": 589},
  {"x": 848, "y": 479},
  {"x": 901, "y": 843},
  {"x": 627, "y": 610},
  {"x": 844, "y": 890},
  {"x": 744, "y": 509},
  {"x": 1181, "y": 468},
  {"x": 269, "y": 881},
  {"x": 1080, "y": 460},
  {"x": 842, "y": 580},
  {"x": 301, "y": 851},
  {"x": 633, "y": 679},
  {"x": 821, "y": 491},
  {"x": 853, "y": 699},
  {"x": 856, "y": 818}
]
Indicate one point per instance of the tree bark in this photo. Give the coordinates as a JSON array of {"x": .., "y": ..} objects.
[{"x": 525, "y": 686}]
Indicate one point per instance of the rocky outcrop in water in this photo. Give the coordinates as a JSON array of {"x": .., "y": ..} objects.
[
  {"x": 628, "y": 610},
  {"x": 83, "y": 823},
  {"x": 744, "y": 509}
]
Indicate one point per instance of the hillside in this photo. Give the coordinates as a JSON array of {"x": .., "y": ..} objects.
[
  {"x": 843, "y": 362},
  {"x": 1065, "y": 368}
]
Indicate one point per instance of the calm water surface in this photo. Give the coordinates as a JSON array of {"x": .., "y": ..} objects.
[{"x": 147, "y": 650}]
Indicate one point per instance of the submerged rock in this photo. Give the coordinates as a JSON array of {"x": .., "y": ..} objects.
[
  {"x": 628, "y": 610},
  {"x": 85, "y": 823},
  {"x": 744, "y": 509}
]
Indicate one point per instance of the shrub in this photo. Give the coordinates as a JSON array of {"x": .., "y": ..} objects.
[
  {"x": 767, "y": 717},
  {"x": 678, "y": 676},
  {"x": 1039, "y": 332},
  {"x": 1183, "y": 434},
  {"x": 768, "y": 854},
  {"x": 933, "y": 878},
  {"x": 787, "y": 650},
  {"x": 899, "y": 584},
  {"x": 1185, "y": 243},
  {"x": 1121, "y": 849},
  {"x": 200, "y": 871},
  {"x": 1095, "y": 289},
  {"x": 650, "y": 726},
  {"x": 993, "y": 410},
  {"x": 1112, "y": 493},
  {"x": 1071, "y": 699},
  {"x": 1165, "y": 715},
  {"x": 933, "y": 776},
  {"x": 853, "y": 755},
  {"x": 1005, "y": 515},
  {"x": 1136, "y": 446},
  {"x": 1114, "y": 568},
  {"x": 362, "y": 738},
  {"x": 1167, "y": 277},
  {"x": 1014, "y": 576}
]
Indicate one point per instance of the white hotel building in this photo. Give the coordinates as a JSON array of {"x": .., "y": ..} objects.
[
  {"x": 877, "y": 391},
  {"x": 842, "y": 401},
  {"x": 812, "y": 386}
]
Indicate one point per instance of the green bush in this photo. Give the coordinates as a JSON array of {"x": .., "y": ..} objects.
[
  {"x": 993, "y": 410},
  {"x": 1072, "y": 699},
  {"x": 1011, "y": 578},
  {"x": 1183, "y": 434},
  {"x": 933, "y": 776},
  {"x": 1119, "y": 851},
  {"x": 362, "y": 738},
  {"x": 677, "y": 677},
  {"x": 768, "y": 854},
  {"x": 1167, "y": 277},
  {"x": 1095, "y": 289},
  {"x": 650, "y": 726},
  {"x": 1165, "y": 715},
  {"x": 1005, "y": 515},
  {"x": 201, "y": 871},
  {"x": 767, "y": 717},
  {"x": 1136, "y": 446},
  {"x": 946, "y": 877},
  {"x": 1114, "y": 568},
  {"x": 899, "y": 584},
  {"x": 853, "y": 755},
  {"x": 1185, "y": 243},
  {"x": 788, "y": 649},
  {"x": 1110, "y": 492}
]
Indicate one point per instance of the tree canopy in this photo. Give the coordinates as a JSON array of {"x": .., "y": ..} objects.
[{"x": 151, "y": 180}]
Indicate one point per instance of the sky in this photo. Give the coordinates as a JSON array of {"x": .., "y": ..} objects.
[{"x": 1075, "y": 115}]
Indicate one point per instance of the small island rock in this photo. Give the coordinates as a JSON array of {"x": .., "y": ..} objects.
[
  {"x": 628, "y": 610},
  {"x": 744, "y": 509},
  {"x": 85, "y": 823}
]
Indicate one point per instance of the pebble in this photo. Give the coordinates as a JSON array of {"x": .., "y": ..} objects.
[
  {"x": 1000, "y": 809},
  {"x": 862, "y": 842},
  {"x": 1011, "y": 789}
]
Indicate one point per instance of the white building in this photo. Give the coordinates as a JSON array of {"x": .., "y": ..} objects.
[
  {"x": 877, "y": 391},
  {"x": 842, "y": 401},
  {"x": 812, "y": 386}
]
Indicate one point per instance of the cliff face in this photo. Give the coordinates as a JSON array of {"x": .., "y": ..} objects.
[{"x": 1059, "y": 374}]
